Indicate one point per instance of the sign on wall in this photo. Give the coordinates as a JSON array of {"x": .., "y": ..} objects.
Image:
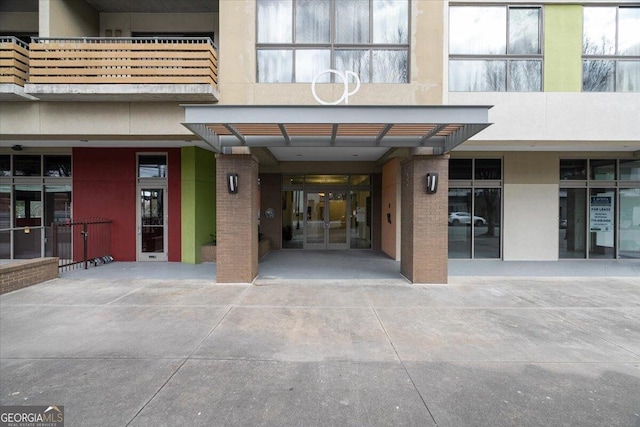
[{"x": 601, "y": 214}]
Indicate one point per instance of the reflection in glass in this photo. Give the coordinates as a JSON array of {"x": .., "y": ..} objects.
[
  {"x": 360, "y": 180},
  {"x": 573, "y": 169},
  {"x": 525, "y": 76},
  {"x": 572, "y": 227},
  {"x": 628, "y": 77},
  {"x": 152, "y": 166},
  {"x": 5, "y": 221},
  {"x": 390, "y": 66},
  {"x": 486, "y": 223},
  {"x": 315, "y": 217},
  {"x": 602, "y": 170},
  {"x": 467, "y": 23},
  {"x": 152, "y": 219},
  {"x": 630, "y": 170},
  {"x": 292, "y": 179},
  {"x": 5, "y": 165},
  {"x": 310, "y": 62},
  {"x": 460, "y": 168},
  {"x": 599, "y": 31},
  {"x": 524, "y": 31},
  {"x": 57, "y": 166},
  {"x": 629, "y": 31},
  {"x": 312, "y": 21},
  {"x": 275, "y": 66},
  {"x": 488, "y": 169},
  {"x": 292, "y": 219},
  {"x": 459, "y": 231},
  {"x": 601, "y": 223},
  {"x": 27, "y": 165},
  {"x": 327, "y": 179},
  {"x": 57, "y": 208},
  {"x": 390, "y": 21},
  {"x": 275, "y": 21},
  {"x": 360, "y": 234},
  {"x": 354, "y": 60},
  {"x": 337, "y": 225},
  {"x": 352, "y": 21},
  {"x": 477, "y": 75},
  {"x": 598, "y": 76},
  {"x": 630, "y": 223}
]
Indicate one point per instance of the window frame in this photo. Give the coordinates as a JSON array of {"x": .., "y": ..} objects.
[
  {"x": 615, "y": 58},
  {"x": 333, "y": 46},
  {"x": 506, "y": 57}
]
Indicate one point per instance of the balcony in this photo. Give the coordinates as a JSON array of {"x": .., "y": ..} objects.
[
  {"x": 123, "y": 69},
  {"x": 14, "y": 69}
]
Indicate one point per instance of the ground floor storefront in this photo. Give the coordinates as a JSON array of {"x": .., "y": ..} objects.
[{"x": 166, "y": 203}]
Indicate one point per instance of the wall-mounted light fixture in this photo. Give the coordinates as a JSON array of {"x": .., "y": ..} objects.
[
  {"x": 17, "y": 147},
  {"x": 432, "y": 183},
  {"x": 232, "y": 183}
]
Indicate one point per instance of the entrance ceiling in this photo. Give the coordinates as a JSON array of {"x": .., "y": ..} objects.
[{"x": 335, "y": 133}]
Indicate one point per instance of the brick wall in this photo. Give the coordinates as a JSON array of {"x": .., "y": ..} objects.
[
  {"x": 237, "y": 219},
  {"x": 424, "y": 225},
  {"x": 21, "y": 274}
]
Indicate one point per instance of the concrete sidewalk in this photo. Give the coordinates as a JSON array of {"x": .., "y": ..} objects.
[{"x": 170, "y": 350}]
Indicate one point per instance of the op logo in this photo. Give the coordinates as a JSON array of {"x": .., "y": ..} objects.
[{"x": 345, "y": 81}]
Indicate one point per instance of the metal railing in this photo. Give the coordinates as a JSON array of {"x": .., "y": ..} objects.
[
  {"x": 14, "y": 60},
  {"x": 81, "y": 243},
  {"x": 123, "y": 60}
]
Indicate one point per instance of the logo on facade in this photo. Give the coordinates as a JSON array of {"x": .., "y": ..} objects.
[
  {"x": 344, "y": 75},
  {"x": 32, "y": 416}
]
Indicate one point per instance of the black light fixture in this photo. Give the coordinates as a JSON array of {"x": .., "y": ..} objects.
[
  {"x": 432, "y": 183},
  {"x": 17, "y": 147},
  {"x": 232, "y": 183}
]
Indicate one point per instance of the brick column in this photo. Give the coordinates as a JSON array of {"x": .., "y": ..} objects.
[
  {"x": 237, "y": 219},
  {"x": 423, "y": 229}
]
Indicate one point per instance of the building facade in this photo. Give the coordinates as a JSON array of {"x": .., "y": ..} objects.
[{"x": 145, "y": 113}]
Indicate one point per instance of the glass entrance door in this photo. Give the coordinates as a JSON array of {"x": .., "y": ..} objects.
[
  {"x": 152, "y": 230},
  {"x": 327, "y": 219}
]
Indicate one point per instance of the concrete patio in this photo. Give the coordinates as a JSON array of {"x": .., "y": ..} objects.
[{"x": 162, "y": 344}]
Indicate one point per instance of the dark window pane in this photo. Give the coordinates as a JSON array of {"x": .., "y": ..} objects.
[
  {"x": 27, "y": 166},
  {"x": 572, "y": 226},
  {"x": 573, "y": 169},
  {"x": 57, "y": 166},
  {"x": 292, "y": 219},
  {"x": 488, "y": 169},
  {"x": 630, "y": 170},
  {"x": 603, "y": 170},
  {"x": 152, "y": 166},
  {"x": 486, "y": 223},
  {"x": 460, "y": 168},
  {"x": 5, "y": 165},
  {"x": 459, "y": 223}
]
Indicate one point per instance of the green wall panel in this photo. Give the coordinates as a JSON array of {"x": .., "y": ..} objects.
[
  {"x": 198, "y": 201},
  {"x": 562, "y": 48}
]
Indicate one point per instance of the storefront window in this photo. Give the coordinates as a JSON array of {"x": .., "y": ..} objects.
[
  {"x": 573, "y": 169},
  {"x": 27, "y": 165},
  {"x": 572, "y": 226},
  {"x": 630, "y": 223}
]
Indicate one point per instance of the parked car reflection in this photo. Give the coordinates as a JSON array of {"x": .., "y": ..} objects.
[{"x": 462, "y": 218}]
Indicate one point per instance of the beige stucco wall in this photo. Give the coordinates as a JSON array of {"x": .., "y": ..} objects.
[
  {"x": 19, "y": 22},
  {"x": 237, "y": 72},
  {"x": 531, "y": 204},
  {"x": 115, "y": 119},
  {"x": 67, "y": 18}
]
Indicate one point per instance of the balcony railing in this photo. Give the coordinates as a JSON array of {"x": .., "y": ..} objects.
[
  {"x": 14, "y": 61},
  {"x": 143, "y": 60}
]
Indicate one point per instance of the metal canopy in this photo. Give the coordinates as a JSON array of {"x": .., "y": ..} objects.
[{"x": 439, "y": 127}]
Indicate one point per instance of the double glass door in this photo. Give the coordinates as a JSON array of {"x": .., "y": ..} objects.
[{"x": 327, "y": 219}]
